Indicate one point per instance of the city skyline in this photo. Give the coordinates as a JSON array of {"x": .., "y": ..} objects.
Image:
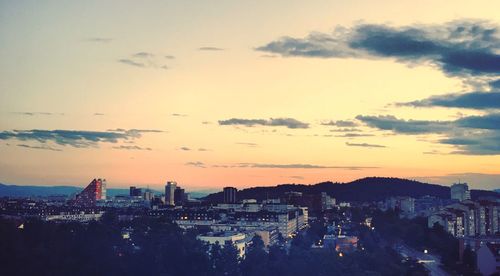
[{"x": 249, "y": 94}]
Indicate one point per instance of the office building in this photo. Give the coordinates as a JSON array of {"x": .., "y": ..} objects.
[
  {"x": 135, "y": 192},
  {"x": 170, "y": 193},
  {"x": 460, "y": 191},
  {"x": 180, "y": 196},
  {"x": 230, "y": 194}
]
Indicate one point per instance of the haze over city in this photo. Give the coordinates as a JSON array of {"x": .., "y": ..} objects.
[{"x": 249, "y": 93}]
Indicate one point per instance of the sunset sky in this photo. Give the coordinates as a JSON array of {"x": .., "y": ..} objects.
[{"x": 247, "y": 93}]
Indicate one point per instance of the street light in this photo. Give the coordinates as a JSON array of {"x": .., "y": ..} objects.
[{"x": 425, "y": 251}]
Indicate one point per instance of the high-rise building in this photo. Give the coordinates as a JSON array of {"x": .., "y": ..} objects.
[
  {"x": 230, "y": 194},
  {"x": 170, "y": 193},
  {"x": 460, "y": 191},
  {"x": 95, "y": 191},
  {"x": 136, "y": 192},
  {"x": 179, "y": 196}
]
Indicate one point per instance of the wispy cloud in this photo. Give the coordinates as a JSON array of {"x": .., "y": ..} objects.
[
  {"x": 40, "y": 147},
  {"x": 364, "y": 145},
  {"x": 354, "y": 135},
  {"x": 178, "y": 115},
  {"x": 37, "y": 113},
  {"x": 389, "y": 122},
  {"x": 124, "y": 147},
  {"x": 185, "y": 148},
  {"x": 252, "y": 145},
  {"x": 143, "y": 55},
  {"x": 210, "y": 48},
  {"x": 131, "y": 62},
  {"x": 340, "y": 123},
  {"x": 99, "y": 39},
  {"x": 296, "y": 166},
  {"x": 286, "y": 122},
  {"x": 197, "y": 164}
]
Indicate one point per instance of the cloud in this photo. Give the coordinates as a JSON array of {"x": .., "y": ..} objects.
[
  {"x": 389, "y": 122},
  {"x": 197, "y": 164},
  {"x": 364, "y": 145},
  {"x": 123, "y": 147},
  {"x": 169, "y": 57},
  {"x": 495, "y": 84},
  {"x": 37, "y": 113},
  {"x": 345, "y": 130},
  {"x": 143, "y": 55},
  {"x": 354, "y": 135},
  {"x": 472, "y": 100},
  {"x": 185, "y": 148},
  {"x": 472, "y": 135},
  {"x": 74, "y": 138},
  {"x": 208, "y": 48},
  {"x": 41, "y": 147},
  {"x": 99, "y": 39},
  {"x": 98, "y": 114},
  {"x": 488, "y": 121},
  {"x": 286, "y": 122},
  {"x": 252, "y": 145},
  {"x": 206, "y": 123},
  {"x": 178, "y": 115},
  {"x": 132, "y": 63},
  {"x": 203, "y": 149},
  {"x": 458, "y": 48},
  {"x": 297, "y": 166},
  {"x": 340, "y": 123}
]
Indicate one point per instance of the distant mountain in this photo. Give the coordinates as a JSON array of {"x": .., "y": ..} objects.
[
  {"x": 42, "y": 191},
  {"x": 365, "y": 189}
]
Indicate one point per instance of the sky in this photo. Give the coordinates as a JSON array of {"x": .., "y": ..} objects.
[{"x": 249, "y": 93}]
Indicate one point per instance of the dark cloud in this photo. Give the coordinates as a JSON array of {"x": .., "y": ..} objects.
[
  {"x": 132, "y": 63},
  {"x": 185, "y": 148},
  {"x": 495, "y": 84},
  {"x": 124, "y": 147},
  {"x": 472, "y": 100},
  {"x": 41, "y": 147},
  {"x": 208, "y": 48},
  {"x": 74, "y": 138},
  {"x": 364, "y": 145},
  {"x": 388, "y": 122},
  {"x": 286, "y": 122},
  {"x": 196, "y": 164},
  {"x": 458, "y": 48},
  {"x": 205, "y": 123},
  {"x": 488, "y": 121},
  {"x": 473, "y": 135},
  {"x": 203, "y": 149},
  {"x": 340, "y": 123}
]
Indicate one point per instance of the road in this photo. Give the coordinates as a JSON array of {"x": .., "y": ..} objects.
[{"x": 430, "y": 262}]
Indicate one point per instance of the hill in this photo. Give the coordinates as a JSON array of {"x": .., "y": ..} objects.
[
  {"x": 43, "y": 191},
  {"x": 365, "y": 189}
]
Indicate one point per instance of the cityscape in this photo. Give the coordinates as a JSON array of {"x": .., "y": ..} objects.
[{"x": 250, "y": 138}]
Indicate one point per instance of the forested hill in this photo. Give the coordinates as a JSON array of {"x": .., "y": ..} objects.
[{"x": 365, "y": 189}]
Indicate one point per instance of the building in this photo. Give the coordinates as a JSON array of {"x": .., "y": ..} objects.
[
  {"x": 469, "y": 218},
  {"x": 170, "y": 193},
  {"x": 238, "y": 240},
  {"x": 460, "y": 191},
  {"x": 180, "y": 197},
  {"x": 135, "y": 192},
  {"x": 230, "y": 194},
  {"x": 404, "y": 204},
  {"x": 95, "y": 191},
  {"x": 488, "y": 259}
]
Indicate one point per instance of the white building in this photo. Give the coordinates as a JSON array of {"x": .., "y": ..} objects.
[{"x": 238, "y": 240}]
